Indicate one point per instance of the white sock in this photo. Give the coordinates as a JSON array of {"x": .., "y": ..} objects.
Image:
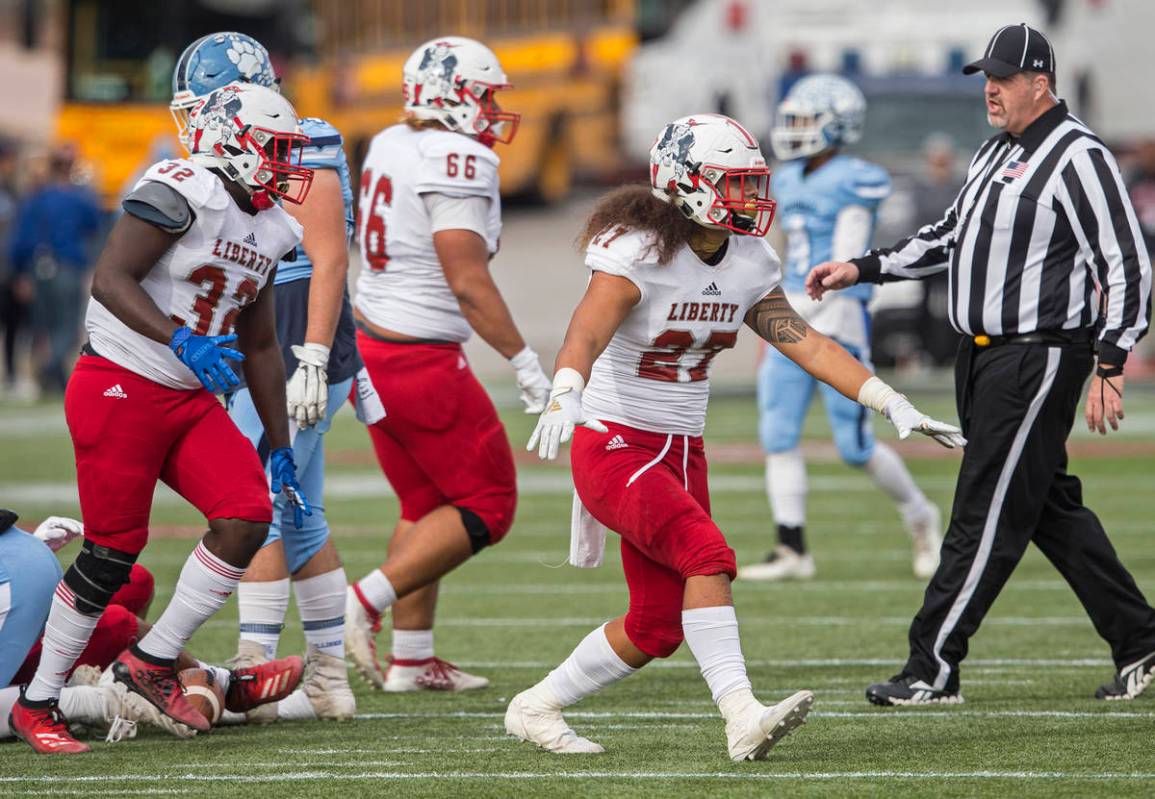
[
  {"x": 412, "y": 644},
  {"x": 321, "y": 602},
  {"x": 592, "y": 666},
  {"x": 84, "y": 703},
  {"x": 890, "y": 474},
  {"x": 65, "y": 636},
  {"x": 296, "y": 707},
  {"x": 8, "y": 697},
  {"x": 223, "y": 675},
  {"x": 712, "y": 635},
  {"x": 205, "y": 585},
  {"x": 377, "y": 590},
  {"x": 262, "y": 609},
  {"x": 786, "y": 487}
]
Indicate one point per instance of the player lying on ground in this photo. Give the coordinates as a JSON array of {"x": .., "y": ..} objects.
[
  {"x": 318, "y": 344},
  {"x": 29, "y": 574},
  {"x": 430, "y": 221},
  {"x": 828, "y": 203},
  {"x": 676, "y": 270},
  {"x": 190, "y": 258}
]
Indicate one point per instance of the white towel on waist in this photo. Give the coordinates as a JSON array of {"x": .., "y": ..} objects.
[{"x": 587, "y": 537}]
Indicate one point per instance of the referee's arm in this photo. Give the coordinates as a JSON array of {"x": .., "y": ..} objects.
[{"x": 1095, "y": 201}]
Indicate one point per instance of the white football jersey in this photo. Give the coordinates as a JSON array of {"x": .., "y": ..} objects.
[
  {"x": 204, "y": 280},
  {"x": 402, "y": 286},
  {"x": 655, "y": 373}
]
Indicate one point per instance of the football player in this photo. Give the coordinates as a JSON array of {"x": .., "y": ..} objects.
[
  {"x": 187, "y": 262},
  {"x": 29, "y": 574},
  {"x": 828, "y": 204},
  {"x": 677, "y": 268},
  {"x": 317, "y": 338},
  {"x": 429, "y": 223}
]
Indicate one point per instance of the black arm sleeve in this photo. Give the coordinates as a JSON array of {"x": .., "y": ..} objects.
[{"x": 159, "y": 205}]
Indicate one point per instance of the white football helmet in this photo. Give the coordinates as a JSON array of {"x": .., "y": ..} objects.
[
  {"x": 251, "y": 134},
  {"x": 712, "y": 170},
  {"x": 453, "y": 80},
  {"x": 819, "y": 112}
]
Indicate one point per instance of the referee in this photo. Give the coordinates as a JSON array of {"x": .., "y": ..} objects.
[{"x": 1046, "y": 265}]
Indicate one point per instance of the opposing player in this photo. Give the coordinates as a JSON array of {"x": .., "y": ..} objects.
[
  {"x": 677, "y": 268},
  {"x": 318, "y": 342},
  {"x": 828, "y": 204},
  {"x": 187, "y": 262},
  {"x": 430, "y": 221}
]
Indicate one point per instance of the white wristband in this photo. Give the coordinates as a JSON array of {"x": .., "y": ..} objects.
[
  {"x": 875, "y": 394},
  {"x": 525, "y": 358},
  {"x": 567, "y": 378},
  {"x": 318, "y": 348}
]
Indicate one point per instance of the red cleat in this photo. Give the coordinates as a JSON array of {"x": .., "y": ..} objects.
[
  {"x": 267, "y": 682},
  {"x": 160, "y": 685},
  {"x": 44, "y": 729}
]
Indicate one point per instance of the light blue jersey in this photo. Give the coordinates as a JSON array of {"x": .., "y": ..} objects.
[
  {"x": 808, "y": 209},
  {"x": 324, "y": 151},
  {"x": 29, "y": 573}
]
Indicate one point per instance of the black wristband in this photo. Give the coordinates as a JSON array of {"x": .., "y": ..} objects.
[{"x": 1105, "y": 370}]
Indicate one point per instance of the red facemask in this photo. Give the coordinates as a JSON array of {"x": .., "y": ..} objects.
[
  {"x": 280, "y": 172},
  {"x": 495, "y": 125},
  {"x": 745, "y": 196}
]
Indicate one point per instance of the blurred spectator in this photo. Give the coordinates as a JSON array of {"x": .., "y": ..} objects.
[
  {"x": 935, "y": 189},
  {"x": 14, "y": 293},
  {"x": 50, "y": 239}
]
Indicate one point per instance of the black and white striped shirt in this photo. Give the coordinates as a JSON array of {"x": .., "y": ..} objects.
[{"x": 1042, "y": 237}]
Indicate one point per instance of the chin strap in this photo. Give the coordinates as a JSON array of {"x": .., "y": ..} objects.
[{"x": 262, "y": 200}]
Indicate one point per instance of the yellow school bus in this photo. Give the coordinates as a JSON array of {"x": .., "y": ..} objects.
[{"x": 564, "y": 58}]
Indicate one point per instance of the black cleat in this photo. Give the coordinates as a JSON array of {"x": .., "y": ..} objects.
[
  {"x": 1130, "y": 681},
  {"x": 906, "y": 689}
]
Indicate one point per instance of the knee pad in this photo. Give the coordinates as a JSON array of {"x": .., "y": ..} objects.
[
  {"x": 135, "y": 595},
  {"x": 652, "y": 637},
  {"x": 96, "y": 575},
  {"x": 476, "y": 529}
]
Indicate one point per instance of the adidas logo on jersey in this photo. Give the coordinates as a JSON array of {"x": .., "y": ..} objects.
[
  {"x": 116, "y": 391},
  {"x": 617, "y": 442},
  {"x": 250, "y": 239},
  {"x": 712, "y": 290}
]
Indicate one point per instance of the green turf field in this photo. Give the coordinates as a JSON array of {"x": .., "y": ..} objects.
[{"x": 1029, "y": 726}]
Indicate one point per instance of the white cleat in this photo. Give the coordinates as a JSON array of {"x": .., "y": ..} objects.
[
  {"x": 361, "y": 630},
  {"x": 535, "y": 717},
  {"x": 249, "y": 654},
  {"x": 783, "y": 564},
  {"x": 926, "y": 540},
  {"x": 431, "y": 674},
  {"x": 84, "y": 675},
  {"x": 124, "y": 710},
  {"x": 326, "y": 685},
  {"x": 749, "y": 735}
]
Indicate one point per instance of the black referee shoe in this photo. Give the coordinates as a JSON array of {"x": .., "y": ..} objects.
[
  {"x": 1130, "y": 681},
  {"x": 906, "y": 689}
]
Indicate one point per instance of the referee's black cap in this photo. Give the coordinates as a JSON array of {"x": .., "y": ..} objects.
[{"x": 1015, "y": 48}]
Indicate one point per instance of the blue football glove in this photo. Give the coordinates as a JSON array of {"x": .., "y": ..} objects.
[
  {"x": 208, "y": 358},
  {"x": 283, "y": 474}
]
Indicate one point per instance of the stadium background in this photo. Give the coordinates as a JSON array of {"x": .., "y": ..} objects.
[{"x": 594, "y": 80}]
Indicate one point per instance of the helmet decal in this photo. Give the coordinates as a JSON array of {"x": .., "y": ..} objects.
[
  {"x": 673, "y": 149},
  {"x": 218, "y": 113}
]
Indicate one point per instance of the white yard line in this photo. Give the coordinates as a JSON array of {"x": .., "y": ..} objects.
[
  {"x": 732, "y": 776},
  {"x": 871, "y": 715}
]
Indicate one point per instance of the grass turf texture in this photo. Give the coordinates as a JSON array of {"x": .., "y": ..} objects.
[{"x": 1029, "y": 727}]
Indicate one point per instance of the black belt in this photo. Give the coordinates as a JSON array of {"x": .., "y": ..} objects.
[
  {"x": 1050, "y": 338},
  {"x": 86, "y": 349}
]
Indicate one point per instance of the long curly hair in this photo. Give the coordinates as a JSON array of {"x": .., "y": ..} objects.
[{"x": 636, "y": 208}]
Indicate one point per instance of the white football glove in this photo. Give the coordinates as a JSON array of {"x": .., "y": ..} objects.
[
  {"x": 908, "y": 419},
  {"x": 562, "y": 415},
  {"x": 57, "y": 531},
  {"x": 308, "y": 389},
  {"x": 532, "y": 380}
]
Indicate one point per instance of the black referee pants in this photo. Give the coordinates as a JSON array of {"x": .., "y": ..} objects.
[{"x": 1017, "y": 404}]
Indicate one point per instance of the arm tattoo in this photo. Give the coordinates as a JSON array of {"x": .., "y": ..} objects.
[{"x": 774, "y": 320}]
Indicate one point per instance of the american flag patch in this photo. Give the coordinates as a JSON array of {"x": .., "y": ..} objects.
[{"x": 1012, "y": 170}]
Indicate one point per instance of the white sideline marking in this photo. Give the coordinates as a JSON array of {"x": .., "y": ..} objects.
[
  {"x": 738, "y": 776},
  {"x": 686, "y": 663},
  {"x": 905, "y": 713}
]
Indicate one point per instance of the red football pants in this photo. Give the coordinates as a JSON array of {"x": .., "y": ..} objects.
[
  {"x": 654, "y": 493},
  {"x": 127, "y": 439},
  {"x": 115, "y": 631},
  {"x": 442, "y": 442}
]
